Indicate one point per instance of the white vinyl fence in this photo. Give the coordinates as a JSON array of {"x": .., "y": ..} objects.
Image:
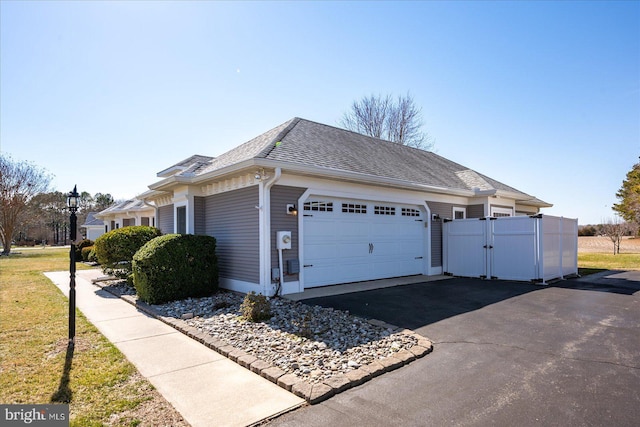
[{"x": 537, "y": 248}]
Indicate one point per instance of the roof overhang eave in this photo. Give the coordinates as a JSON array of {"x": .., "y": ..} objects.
[
  {"x": 315, "y": 171},
  {"x": 521, "y": 198},
  {"x": 361, "y": 178},
  {"x": 309, "y": 170},
  {"x": 534, "y": 202},
  {"x": 168, "y": 183}
]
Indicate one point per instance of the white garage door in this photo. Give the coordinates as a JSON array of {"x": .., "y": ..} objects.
[{"x": 350, "y": 240}]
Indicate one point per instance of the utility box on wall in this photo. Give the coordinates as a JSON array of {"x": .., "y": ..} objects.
[
  {"x": 537, "y": 248},
  {"x": 283, "y": 240},
  {"x": 293, "y": 266}
]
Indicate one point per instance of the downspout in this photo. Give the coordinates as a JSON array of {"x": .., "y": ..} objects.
[
  {"x": 265, "y": 231},
  {"x": 155, "y": 211}
]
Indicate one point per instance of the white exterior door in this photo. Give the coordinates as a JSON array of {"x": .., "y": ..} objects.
[{"x": 353, "y": 240}]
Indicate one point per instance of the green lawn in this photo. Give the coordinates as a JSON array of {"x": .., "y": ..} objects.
[
  {"x": 36, "y": 365},
  {"x": 601, "y": 261}
]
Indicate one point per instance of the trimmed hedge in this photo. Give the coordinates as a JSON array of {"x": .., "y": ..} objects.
[
  {"x": 86, "y": 251},
  {"x": 115, "y": 249},
  {"x": 176, "y": 266}
]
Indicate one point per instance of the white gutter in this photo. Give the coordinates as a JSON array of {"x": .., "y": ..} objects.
[{"x": 264, "y": 215}]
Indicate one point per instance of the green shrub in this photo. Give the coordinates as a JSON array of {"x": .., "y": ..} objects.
[
  {"x": 115, "y": 249},
  {"x": 176, "y": 266},
  {"x": 92, "y": 255},
  {"x": 83, "y": 244},
  {"x": 255, "y": 307},
  {"x": 86, "y": 251}
]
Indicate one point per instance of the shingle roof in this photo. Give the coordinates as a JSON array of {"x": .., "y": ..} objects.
[
  {"x": 258, "y": 147},
  {"x": 127, "y": 205},
  {"x": 92, "y": 220},
  {"x": 308, "y": 143}
]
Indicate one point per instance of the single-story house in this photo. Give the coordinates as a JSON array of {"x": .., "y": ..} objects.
[
  {"x": 129, "y": 212},
  {"x": 306, "y": 204},
  {"x": 94, "y": 226}
]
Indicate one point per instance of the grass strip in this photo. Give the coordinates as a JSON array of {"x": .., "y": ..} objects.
[
  {"x": 37, "y": 365},
  {"x": 602, "y": 261}
]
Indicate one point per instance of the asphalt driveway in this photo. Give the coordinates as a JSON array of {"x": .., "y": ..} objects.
[{"x": 505, "y": 354}]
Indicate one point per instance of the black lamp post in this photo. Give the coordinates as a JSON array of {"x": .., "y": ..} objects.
[{"x": 72, "y": 202}]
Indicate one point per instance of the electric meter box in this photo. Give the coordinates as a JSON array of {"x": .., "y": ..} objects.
[{"x": 283, "y": 240}]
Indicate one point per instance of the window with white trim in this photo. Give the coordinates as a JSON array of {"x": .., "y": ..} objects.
[
  {"x": 498, "y": 212},
  {"x": 459, "y": 213},
  {"x": 181, "y": 220}
]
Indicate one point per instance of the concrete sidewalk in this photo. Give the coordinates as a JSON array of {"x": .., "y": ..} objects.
[{"x": 204, "y": 386}]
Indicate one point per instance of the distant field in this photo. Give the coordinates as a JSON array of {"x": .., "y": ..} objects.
[
  {"x": 596, "y": 254},
  {"x": 602, "y": 244}
]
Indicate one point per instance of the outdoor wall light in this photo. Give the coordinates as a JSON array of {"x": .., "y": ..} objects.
[
  {"x": 435, "y": 217},
  {"x": 291, "y": 209},
  {"x": 73, "y": 199},
  {"x": 260, "y": 175}
]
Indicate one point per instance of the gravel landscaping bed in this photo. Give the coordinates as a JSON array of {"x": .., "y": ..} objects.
[
  {"x": 310, "y": 350},
  {"x": 312, "y": 342}
]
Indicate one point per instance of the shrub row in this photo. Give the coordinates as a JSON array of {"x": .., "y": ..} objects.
[
  {"x": 115, "y": 250},
  {"x": 161, "y": 268}
]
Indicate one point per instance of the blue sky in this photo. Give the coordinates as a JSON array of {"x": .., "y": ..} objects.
[{"x": 543, "y": 96}]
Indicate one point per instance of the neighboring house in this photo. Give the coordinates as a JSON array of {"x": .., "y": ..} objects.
[
  {"x": 129, "y": 212},
  {"x": 358, "y": 208},
  {"x": 94, "y": 226}
]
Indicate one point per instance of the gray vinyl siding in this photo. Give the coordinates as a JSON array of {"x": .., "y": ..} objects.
[
  {"x": 165, "y": 219},
  {"x": 475, "y": 211},
  {"x": 199, "y": 215},
  {"x": 281, "y": 196},
  {"x": 444, "y": 210},
  {"x": 232, "y": 218}
]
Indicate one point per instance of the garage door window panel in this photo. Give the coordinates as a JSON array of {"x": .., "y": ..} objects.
[
  {"x": 318, "y": 206},
  {"x": 384, "y": 210},
  {"x": 354, "y": 208}
]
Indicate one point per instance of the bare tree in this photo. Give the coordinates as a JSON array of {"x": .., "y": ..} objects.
[
  {"x": 396, "y": 120},
  {"x": 19, "y": 182},
  {"x": 614, "y": 229}
]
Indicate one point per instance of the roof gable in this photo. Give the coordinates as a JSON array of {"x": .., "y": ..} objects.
[
  {"x": 258, "y": 147},
  {"x": 92, "y": 220},
  {"x": 187, "y": 166}
]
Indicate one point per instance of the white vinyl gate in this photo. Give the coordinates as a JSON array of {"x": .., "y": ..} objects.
[{"x": 538, "y": 248}]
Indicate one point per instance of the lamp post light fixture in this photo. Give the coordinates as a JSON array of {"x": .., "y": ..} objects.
[{"x": 72, "y": 202}]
